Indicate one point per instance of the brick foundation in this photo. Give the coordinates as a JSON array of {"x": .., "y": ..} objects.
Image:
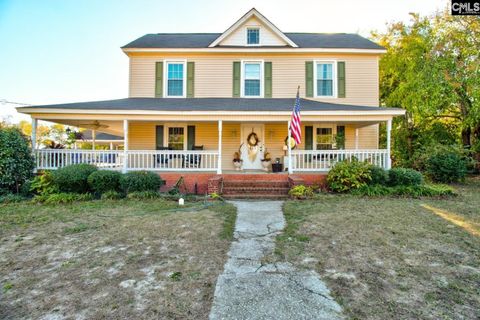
[
  {"x": 212, "y": 183},
  {"x": 190, "y": 179}
]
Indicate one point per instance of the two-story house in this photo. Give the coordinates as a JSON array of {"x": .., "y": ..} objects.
[{"x": 199, "y": 100}]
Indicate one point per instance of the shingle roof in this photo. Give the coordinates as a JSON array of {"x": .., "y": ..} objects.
[
  {"x": 209, "y": 104},
  {"x": 303, "y": 40}
]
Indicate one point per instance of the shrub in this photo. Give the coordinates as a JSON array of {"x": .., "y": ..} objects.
[
  {"x": 423, "y": 190},
  {"x": 73, "y": 178},
  {"x": 111, "y": 195},
  {"x": 348, "y": 175},
  {"x": 140, "y": 181},
  {"x": 404, "y": 177},
  {"x": 141, "y": 195},
  {"x": 103, "y": 181},
  {"x": 379, "y": 176},
  {"x": 446, "y": 167},
  {"x": 11, "y": 198},
  {"x": 43, "y": 184},
  {"x": 16, "y": 160},
  {"x": 301, "y": 192},
  {"x": 63, "y": 197}
]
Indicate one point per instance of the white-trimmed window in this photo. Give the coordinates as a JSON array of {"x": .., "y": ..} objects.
[
  {"x": 253, "y": 36},
  {"x": 175, "y": 79},
  {"x": 252, "y": 79},
  {"x": 325, "y": 74},
  {"x": 323, "y": 137},
  {"x": 176, "y": 137}
]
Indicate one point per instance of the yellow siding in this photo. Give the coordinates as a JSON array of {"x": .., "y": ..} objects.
[
  {"x": 239, "y": 38},
  {"x": 213, "y": 74}
]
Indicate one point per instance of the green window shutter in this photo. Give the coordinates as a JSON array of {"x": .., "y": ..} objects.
[
  {"x": 159, "y": 80},
  {"x": 236, "y": 79},
  {"x": 309, "y": 78},
  {"x": 190, "y": 79},
  {"x": 158, "y": 137},
  {"x": 268, "y": 79},
  {"x": 190, "y": 137},
  {"x": 341, "y": 78},
  {"x": 340, "y": 138},
  {"x": 308, "y": 137}
]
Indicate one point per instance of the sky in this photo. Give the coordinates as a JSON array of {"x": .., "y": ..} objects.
[{"x": 57, "y": 51}]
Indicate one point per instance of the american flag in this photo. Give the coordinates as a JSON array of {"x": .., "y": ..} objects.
[{"x": 295, "y": 123}]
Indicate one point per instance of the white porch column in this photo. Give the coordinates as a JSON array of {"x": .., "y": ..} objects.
[
  {"x": 356, "y": 138},
  {"x": 389, "y": 129},
  {"x": 94, "y": 136},
  {"x": 125, "y": 146},
  {"x": 219, "y": 164},
  {"x": 111, "y": 145},
  {"x": 34, "y": 134},
  {"x": 290, "y": 169}
]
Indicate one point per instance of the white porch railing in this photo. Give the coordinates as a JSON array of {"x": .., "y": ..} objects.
[
  {"x": 164, "y": 160},
  {"x": 323, "y": 160}
]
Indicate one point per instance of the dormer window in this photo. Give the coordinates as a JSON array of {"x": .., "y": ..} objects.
[{"x": 253, "y": 36}]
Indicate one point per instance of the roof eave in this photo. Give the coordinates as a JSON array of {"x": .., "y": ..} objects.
[{"x": 256, "y": 50}]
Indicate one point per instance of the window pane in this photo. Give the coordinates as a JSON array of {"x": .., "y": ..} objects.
[
  {"x": 324, "y": 79},
  {"x": 175, "y": 138},
  {"x": 253, "y": 36},
  {"x": 324, "y": 88},
  {"x": 252, "y": 71},
  {"x": 252, "y": 87},
  {"x": 175, "y": 79},
  {"x": 324, "y": 139}
]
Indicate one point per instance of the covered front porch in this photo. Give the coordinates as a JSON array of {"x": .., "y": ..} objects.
[
  {"x": 208, "y": 134},
  {"x": 211, "y": 146}
]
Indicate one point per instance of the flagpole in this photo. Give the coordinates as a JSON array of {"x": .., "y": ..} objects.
[{"x": 290, "y": 170}]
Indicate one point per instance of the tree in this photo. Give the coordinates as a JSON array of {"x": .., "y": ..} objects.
[
  {"x": 16, "y": 160},
  {"x": 431, "y": 69}
]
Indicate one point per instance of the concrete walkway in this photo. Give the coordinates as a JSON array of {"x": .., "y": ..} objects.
[{"x": 248, "y": 289}]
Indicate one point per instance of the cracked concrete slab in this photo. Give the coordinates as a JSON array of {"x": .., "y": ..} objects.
[{"x": 249, "y": 289}]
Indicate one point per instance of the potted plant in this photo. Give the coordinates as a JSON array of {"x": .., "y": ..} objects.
[
  {"x": 266, "y": 161},
  {"x": 237, "y": 161}
]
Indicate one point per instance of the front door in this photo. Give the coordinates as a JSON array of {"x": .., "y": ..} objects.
[{"x": 252, "y": 146}]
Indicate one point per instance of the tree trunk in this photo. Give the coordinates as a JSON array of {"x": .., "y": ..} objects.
[{"x": 467, "y": 137}]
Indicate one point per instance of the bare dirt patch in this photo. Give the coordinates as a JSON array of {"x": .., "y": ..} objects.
[
  {"x": 387, "y": 258},
  {"x": 111, "y": 260}
]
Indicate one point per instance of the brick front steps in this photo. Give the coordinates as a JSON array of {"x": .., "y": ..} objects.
[{"x": 255, "y": 186}]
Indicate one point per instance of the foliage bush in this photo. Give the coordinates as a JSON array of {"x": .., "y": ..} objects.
[
  {"x": 423, "y": 190},
  {"x": 378, "y": 176},
  {"x": 43, "y": 184},
  {"x": 348, "y": 175},
  {"x": 103, "y": 180},
  {"x": 16, "y": 160},
  {"x": 111, "y": 195},
  {"x": 63, "y": 197},
  {"x": 73, "y": 178},
  {"x": 142, "y": 195},
  {"x": 446, "y": 167},
  {"x": 301, "y": 192},
  {"x": 140, "y": 181},
  {"x": 11, "y": 198},
  {"x": 404, "y": 177}
]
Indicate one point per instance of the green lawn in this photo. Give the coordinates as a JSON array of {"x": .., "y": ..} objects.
[
  {"x": 390, "y": 258},
  {"x": 112, "y": 259}
]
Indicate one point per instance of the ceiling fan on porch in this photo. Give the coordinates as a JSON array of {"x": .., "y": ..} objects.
[{"x": 95, "y": 125}]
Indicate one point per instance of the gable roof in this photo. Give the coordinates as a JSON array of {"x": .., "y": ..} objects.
[
  {"x": 253, "y": 13},
  {"x": 303, "y": 40},
  {"x": 206, "y": 104}
]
